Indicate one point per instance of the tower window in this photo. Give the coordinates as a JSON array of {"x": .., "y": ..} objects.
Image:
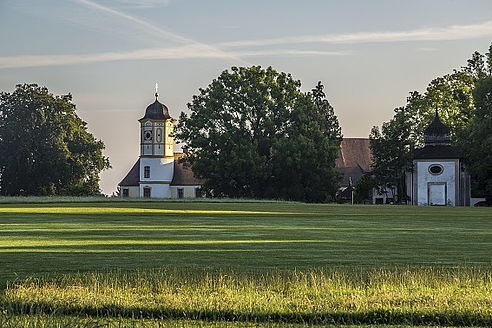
[
  {"x": 146, "y": 172},
  {"x": 146, "y": 192},
  {"x": 436, "y": 169}
]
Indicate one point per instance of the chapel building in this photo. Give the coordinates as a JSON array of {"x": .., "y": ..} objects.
[
  {"x": 158, "y": 172},
  {"x": 439, "y": 175}
]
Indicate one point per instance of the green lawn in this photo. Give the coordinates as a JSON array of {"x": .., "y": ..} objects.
[
  {"x": 265, "y": 262},
  {"x": 38, "y": 239}
]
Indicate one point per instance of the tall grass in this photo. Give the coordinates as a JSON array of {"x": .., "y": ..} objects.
[{"x": 412, "y": 296}]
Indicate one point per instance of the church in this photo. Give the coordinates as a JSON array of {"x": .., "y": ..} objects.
[
  {"x": 158, "y": 172},
  {"x": 439, "y": 175}
]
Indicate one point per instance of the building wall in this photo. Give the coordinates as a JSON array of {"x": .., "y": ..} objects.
[
  {"x": 436, "y": 189},
  {"x": 132, "y": 192},
  {"x": 159, "y": 177},
  {"x": 157, "y": 138},
  {"x": 157, "y": 190},
  {"x": 161, "y": 169},
  {"x": 187, "y": 191}
]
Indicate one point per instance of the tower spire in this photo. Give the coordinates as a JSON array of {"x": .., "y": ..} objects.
[{"x": 156, "y": 91}]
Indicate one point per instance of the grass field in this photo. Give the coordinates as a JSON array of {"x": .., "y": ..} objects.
[{"x": 50, "y": 239}]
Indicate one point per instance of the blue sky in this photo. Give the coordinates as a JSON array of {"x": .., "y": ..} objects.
[{"x": 110, "y": 53}]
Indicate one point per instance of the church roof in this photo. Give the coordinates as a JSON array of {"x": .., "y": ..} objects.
[
  {"x": 437, "y": 132},
  {"x": 437, "y": 139},
  {"x": 183, "y": 176},
  {"x": 156, "y": 111},
  {"x": 437, "y": 152},
  {"x": 354, "y": 159},
  {"x": 133, "y": 176}
]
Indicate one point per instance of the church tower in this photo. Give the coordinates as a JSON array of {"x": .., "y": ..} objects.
[
  {"x": 439, "y": 176},
  {"x": 156, "y": 151},
  {"x": 158, "y": 173}
]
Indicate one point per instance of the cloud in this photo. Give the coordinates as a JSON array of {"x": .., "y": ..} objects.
[
  {"x": 191, "y": 49},
  {"x": 183, "y": 52},
  {"x": 142, "y": 3},
  {"x": 146, "y": 26},
  {"x": 455, "y": 32}
]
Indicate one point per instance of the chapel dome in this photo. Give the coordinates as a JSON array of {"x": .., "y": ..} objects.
[
  {"x": 437, "y": 133},
  {"x": 156, "y": 111}
]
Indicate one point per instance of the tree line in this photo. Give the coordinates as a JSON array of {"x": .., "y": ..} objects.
[{"x": 251, "y": 133}]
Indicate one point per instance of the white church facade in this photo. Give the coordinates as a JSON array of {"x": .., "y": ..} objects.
[
  {"x": 158, "y": 172},
  {"x": 439, "y": 175}
]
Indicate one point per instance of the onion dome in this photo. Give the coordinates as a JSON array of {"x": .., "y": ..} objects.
[
  {"x": 437, "y": 133},
  {"x": 156, "y": 111}
]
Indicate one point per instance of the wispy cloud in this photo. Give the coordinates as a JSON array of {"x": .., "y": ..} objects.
[
  {"x": 143, "y": 3},
  {"x": 146, "y": 26},
  {"x": 455, "y": 32},
  {"x": 237, "y": 51},
  {"x": 183, "y": 52}
]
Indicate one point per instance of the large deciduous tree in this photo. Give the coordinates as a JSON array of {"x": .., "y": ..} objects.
[
  {"x": 253, "y": 133},
  {"x": 452, "y": 95},
  {"x": 390, "y": 149},
  {"x": 478, "y": 145},
  {"x": 391, "y": 146},
  {"x": 45, "y": 148}
]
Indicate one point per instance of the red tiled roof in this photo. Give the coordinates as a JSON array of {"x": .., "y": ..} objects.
[
  {"x": 133, "y": 177},
  {"x": 354, "y": 159},
  {"x": 183, "y": 176}
]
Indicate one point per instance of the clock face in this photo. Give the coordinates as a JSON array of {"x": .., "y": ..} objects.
[{"x": 148, "y": 135}]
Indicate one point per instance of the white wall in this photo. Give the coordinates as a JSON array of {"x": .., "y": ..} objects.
[
  {"x": 161, "y": 175},
  {"x": 446, "y": 182},
  {"x": 188, "y": 191},
  {"x": 157, "y": 190}
]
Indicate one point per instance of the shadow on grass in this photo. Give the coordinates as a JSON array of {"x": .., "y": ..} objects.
[{"x": 377, "y": 317}]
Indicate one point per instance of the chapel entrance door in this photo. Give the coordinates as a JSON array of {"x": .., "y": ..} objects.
[{"x": 437, "y": 193}]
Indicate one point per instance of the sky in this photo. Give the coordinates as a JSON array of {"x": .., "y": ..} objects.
[{"x": 109, "y": 54}]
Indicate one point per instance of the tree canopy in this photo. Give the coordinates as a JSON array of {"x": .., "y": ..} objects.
[
  {"x": 253, "y": 133},
  {"x": 478, "y": 146},
  {"x": 452, "y": 95},
  {"x": 45, "y": 148}
]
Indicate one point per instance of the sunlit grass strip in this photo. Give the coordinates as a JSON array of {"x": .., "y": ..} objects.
[
  {"x": 60, "y": 245},
  {"x": 460, "y": 296},
  {"x": 119, "y": 210}
]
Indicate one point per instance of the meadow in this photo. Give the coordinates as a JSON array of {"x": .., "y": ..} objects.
[{"x": 268, "y": 263}]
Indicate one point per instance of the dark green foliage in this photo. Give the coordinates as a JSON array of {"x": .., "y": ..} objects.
[
  {"x": 451, "y": 96},
  {"x": 252, "y": 133},
  {"x": 363, "y": 189},
  {"x": 478, "y": 147},
  {"x": 45, "y": 148},
  {"x": 391, "y": 152}
]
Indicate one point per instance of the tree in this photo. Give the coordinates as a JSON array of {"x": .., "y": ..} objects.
[
  {"x": 478, "y": 145},
  {"x": 391, "y": 151},
  {"x": 45, "y": 148},
  {"x": 363, "y": 189},
  {"x": 451, "y": 95},
  {"x": 253, "y": 133},
  {"x": 476, "y": 137}
]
